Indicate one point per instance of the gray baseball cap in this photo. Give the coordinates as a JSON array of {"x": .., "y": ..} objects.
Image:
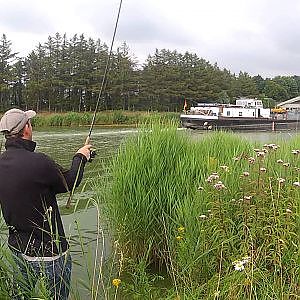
[{"x": 14, "y": 120}]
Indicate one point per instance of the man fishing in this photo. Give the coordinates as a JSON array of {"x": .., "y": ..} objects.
[{"x": 29, "y": 182}]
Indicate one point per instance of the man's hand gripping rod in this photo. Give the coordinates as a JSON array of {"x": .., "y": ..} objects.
[{"x": 92, "y": 151}]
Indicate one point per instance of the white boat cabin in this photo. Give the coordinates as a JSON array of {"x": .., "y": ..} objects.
[{"x": 244, "y": 108}]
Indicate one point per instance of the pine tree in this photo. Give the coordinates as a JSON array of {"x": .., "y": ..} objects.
[{"x": 7, "y": 58}]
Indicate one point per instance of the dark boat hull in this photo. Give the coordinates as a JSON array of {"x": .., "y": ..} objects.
[{"x": 238, "y": 123}]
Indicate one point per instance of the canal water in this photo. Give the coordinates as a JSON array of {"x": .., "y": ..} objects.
[{"x": 82, "y": 224}]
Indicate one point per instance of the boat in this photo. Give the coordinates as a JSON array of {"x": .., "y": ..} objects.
[{"x": 245, "y": 114}]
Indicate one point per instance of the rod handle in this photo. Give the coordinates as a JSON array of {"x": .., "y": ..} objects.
[{"x": 87, "y": 141}]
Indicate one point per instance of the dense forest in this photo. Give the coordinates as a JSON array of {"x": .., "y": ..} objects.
[{"x": 65, "y": 74}]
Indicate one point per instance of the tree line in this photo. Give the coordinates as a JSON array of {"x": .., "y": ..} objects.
[{"x": 65, "y": 74}]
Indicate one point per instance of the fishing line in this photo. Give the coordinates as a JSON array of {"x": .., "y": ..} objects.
[
  {"x": 106, "y": 71},
  {"x": 103, "y": 85}
]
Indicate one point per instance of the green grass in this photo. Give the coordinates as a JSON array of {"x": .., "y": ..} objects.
[
  {"x": 102, "y": 118},
  {"x": 161, "y": 203},
  {"x": 184, "y": 214}
]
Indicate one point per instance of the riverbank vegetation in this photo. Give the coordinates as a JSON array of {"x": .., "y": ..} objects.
[
  {"x": 104, "y": 118},
  {"x": 64, "y": 74},
  {"x": 215, "y": 219}
]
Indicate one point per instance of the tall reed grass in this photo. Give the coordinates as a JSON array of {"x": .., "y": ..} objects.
[
  {"x": 220, "y": 216},
  {"x": 209, "y": 219},
  {"x": 102, "y": 118}
]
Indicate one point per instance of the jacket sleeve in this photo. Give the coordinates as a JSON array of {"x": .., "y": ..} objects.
[{"x": 61, "y": 180}]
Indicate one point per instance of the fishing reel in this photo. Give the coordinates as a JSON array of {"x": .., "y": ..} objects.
[{"x": 93, "y": 154}]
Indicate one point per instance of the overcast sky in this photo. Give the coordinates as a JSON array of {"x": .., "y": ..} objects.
[{"x": 255, "y": 36}]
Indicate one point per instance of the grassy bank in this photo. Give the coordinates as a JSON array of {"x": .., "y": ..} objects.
[
  {"x": 102, "y": 118},
  {"x": 220, "y": 218},
  {"x": 212, "y": 219}
]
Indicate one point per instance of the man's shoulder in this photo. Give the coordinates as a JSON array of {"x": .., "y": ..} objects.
[
  {"x": 50, "y": 161},
  {"x": 40, "y": 155},
  {"x": 42, "y": 158}
]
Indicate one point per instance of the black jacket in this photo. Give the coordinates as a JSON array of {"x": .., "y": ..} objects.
[{"x": 29, "y": 182}]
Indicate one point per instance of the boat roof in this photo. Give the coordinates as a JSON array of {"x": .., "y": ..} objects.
[
  {"x": 217, "y": 105},
  {"x": 290, "y": 101},
  {"x": 208, "y": 104}
]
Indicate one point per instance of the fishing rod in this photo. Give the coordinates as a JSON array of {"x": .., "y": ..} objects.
[{"x": 103, "y": 85}]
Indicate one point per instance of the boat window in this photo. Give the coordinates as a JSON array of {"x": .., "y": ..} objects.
[
  {"x": 228, "y": 112},
  {"x": 253, "y": 114},
  {"x": 240, "y": 114}
]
